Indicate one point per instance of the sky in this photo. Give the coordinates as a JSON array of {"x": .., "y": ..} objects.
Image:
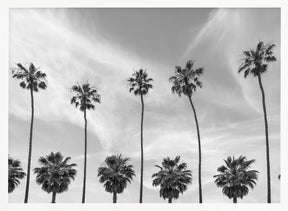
[{"x": 104, "y": 47}]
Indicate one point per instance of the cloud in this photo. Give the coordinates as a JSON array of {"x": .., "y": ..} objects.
[{"x": 230, "y": 32}]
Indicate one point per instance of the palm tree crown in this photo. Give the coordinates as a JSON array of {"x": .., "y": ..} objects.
[
  {"x": 140, "y": 83},
  {"x": 235, "y": 177},
  {"x": 256, "y": 61},
  {"x": 55, "y": 173},
  {"x": 186, "y": 80},
  {"x": 31, "y": 78},
  {"x": 115, "y": 173},
  {"x": 172, "y": 177},
  {"x": 15, "y": 174},
  {"x": 85, "y": 96}
]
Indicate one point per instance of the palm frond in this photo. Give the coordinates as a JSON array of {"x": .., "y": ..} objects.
[
  {"x": 139, "y": 83},
  {"x": 85, "y": 96},
  {"x": 30, "y": 78},
  {"x": 15, "y": 174},
  {"x": 115, "y": 173},
  {"x": 173, "y": 178},
  {"x": 55, "y": 173},
  {"x": 186, "y": 80},
  {"x": 256, "y": 61},
  {"x": 235, "y": 178}
]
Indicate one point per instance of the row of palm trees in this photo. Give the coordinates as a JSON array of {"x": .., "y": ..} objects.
[
  {"x": 56, "y": 172},
  {"x": 185, "y": 82}
]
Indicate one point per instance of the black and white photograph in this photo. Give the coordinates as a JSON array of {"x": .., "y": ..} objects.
[{"x": 144, "y": 105}]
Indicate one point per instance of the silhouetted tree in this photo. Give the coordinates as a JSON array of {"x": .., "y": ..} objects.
[
  {"x": 140, "y": 84},
  {"x": 15, "y": 174},
  {"x": 115, "y": 174},
  {"x": 173, "y": 178},
  {"x": 32, "y": 79},
  {"x": 185, "y": 81},
  {"x": 235, "y": 178},
  {"x": 85, "y": 97},
  {"x": 255, "y": 62},
  {"x": 55, "y": 173}
]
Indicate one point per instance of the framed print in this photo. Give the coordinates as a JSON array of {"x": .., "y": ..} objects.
[{"x": 175, "y": 105}]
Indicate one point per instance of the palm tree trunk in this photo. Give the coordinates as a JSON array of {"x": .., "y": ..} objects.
[
  {"x": 267, "y": 141},
  {"x": 114, "y": 197},
  {"x": 199, "y": 149},
  {"x": 53, "y": 197},
  {"x": 235, "y": 200},
  {"x": 85, "y": 159},
  {"x": 170, "y": 200},
  {"x": 141, "y": 177},
  {"x": 30, "y": 148}
]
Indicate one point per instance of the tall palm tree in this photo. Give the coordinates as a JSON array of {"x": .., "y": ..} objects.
[
  {"x": 15, "y": 174},
  {"x": 55, "y": 173},
  {"x": 140, "y": 84},
  {"x": 173, "y": 178},
  {"x": 115, "y": 174},
  {"x": 85, "y": 97},
  {"x": 185, "y": 81},
  {"x": 235, "y": 178},
  {"x": 32, "y": 79},
  {"x": 255, "y": 62}
]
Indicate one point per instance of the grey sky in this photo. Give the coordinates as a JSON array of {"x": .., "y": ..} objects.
[{"x": 103, "y": 46}]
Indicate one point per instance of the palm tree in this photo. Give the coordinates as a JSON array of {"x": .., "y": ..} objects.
[
  {"x": 115, "y": 174},
  {"x": 172, "y": 177},
  {"x": 84, "y": 98},
  {"x": 140, "y": 84},
  {"x": 185, "y": 81},
  {"x": 255, "y": 62},
  {"x": 15, "y": 174},
  {"x": 55, "y": 173},
  {"x": 32, "y": 79},
  {"x": 235, "y": 178}
]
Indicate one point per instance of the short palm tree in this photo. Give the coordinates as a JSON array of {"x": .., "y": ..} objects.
[
  {"x": 15, "y": 174},
  {"x": 85, "y": 97},
  {"x": 186, "y": 81},
  {"x": 255, "y": 62},
  {"x": 115, "y": 173},
  {"x": 55, "y": 173},
  {"x": 235, "y": 178},
  {"x": 173, "y": 178},
  {"x": 32, "y": 79},
  {"x": 140, "y": 84}
]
